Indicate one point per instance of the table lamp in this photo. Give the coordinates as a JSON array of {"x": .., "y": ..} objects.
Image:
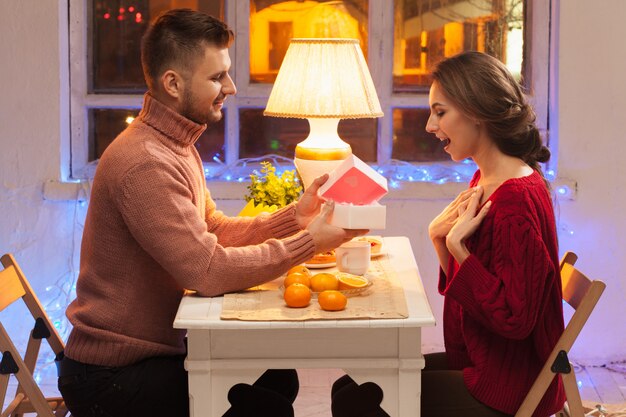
[{"x": 323, "y": 80}]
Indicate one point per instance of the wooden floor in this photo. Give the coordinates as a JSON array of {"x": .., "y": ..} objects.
[{"x": 598, "y": 385}]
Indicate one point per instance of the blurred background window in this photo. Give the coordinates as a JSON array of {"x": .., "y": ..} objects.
[
  {"x": 426, "y": 31},
  {"x": 273, "y": 23},
  {"x": 401, "y": 40}
]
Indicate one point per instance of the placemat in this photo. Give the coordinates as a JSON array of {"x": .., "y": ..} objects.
[{"x": 383, "y": 300}]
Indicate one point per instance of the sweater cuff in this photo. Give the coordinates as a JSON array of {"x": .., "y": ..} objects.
[
  {"x": 443, "y": 275},
  {"x": 443, "y": 282},
  {"x": 300, "y": 246},
  {"x": 283, "y": 222},
  {"x": 468, "y": 279}
]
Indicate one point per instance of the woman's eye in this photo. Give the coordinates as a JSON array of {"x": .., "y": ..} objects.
[{"x": 440, "y": 113}]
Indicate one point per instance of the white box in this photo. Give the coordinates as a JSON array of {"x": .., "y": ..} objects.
[{"x": 347, "y": 216}]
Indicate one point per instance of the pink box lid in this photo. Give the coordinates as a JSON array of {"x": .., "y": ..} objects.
[{"x": 354, "y": 182}]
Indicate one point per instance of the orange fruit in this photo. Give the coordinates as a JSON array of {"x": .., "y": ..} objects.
[
  {"x": 350, "y": 281},
  {"x": 297, "y": 295},
  {"x": 324, "y": 281},
  {"x": 299, "y": 268},
  {"x": 331, "y": 300},
  {"x": 299, "y": 277}
]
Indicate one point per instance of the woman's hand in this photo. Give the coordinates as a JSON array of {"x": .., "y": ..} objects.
[
  {"x": 308, "y": 206},
  {"x": 465, "y": 225},
  {"x": 441, "y": 225}
]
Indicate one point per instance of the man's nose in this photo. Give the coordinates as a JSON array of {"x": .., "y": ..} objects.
[{"x": 228, "y": 87}]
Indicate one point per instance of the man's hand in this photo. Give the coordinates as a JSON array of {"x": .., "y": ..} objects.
[
  {"x": 327, "y": 237},
  {"x": 309, "y": 204}
]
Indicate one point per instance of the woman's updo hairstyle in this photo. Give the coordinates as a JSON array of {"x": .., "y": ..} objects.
[{"x": 484, "y": 89}]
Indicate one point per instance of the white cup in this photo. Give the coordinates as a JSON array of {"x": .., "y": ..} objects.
[{"x": 353, "y": 257}]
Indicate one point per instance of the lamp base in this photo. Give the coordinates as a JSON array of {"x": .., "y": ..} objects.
[
  {"x": 310, "y": 169},
  {"x": 321, "y": 151}
]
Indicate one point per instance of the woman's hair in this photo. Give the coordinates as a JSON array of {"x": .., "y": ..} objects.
[
  {"x": 484, "y": 89},
  {"x": 177, "y": 38}
]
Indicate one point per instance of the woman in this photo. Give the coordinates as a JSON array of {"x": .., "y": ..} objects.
[{"x": 497, "y": 247}]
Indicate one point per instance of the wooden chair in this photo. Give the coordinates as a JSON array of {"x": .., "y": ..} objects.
[
  {"x": 28, "y": 396},
  {"x": 582, "y": 294}
]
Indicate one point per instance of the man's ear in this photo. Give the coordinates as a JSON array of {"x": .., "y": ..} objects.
[{"x": 172, "y": 84}]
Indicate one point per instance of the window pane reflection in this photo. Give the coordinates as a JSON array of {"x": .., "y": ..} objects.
[
  {"x": 411, "y": 142},
  {"x": 117, "y": 28},
  {"x": 261, "y": 135},
  {"x": 426, "y": 31},
  {"x": 273, "y": 23},
  {"x": 106, "y": 124}
]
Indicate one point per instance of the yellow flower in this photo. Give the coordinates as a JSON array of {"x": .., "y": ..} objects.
[{"x": 270, "y": 189}]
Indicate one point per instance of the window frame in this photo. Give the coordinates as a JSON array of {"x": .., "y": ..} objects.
[{"x": 537, "y": 38}]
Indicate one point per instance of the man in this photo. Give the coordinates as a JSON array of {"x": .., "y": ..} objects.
[{"x": 152, "y": 230}]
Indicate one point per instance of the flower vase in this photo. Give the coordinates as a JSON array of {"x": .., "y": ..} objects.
[{"x": 252, "y": 210}]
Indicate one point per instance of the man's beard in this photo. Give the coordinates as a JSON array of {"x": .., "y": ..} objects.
[{"x": 196, "y": 113}]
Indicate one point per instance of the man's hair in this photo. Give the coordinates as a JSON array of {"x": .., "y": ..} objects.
[{"x": 177, "y": 38}]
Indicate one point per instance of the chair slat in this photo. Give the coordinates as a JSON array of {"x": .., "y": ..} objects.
[
  {"x": 33, "y": 304},
  {"x": 12, "y": 405},
  {"x": 582, "y": 294},
  {"x": 575, "y": 285},
  {"x": 28, "y": 397},
  {"x": 11, "y": 288}
]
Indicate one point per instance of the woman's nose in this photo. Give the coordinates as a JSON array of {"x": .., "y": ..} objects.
[{"x": 431, "y": 126}]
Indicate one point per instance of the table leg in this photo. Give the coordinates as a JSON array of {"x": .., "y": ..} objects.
[
  {"x": 208, "y": 389},
  {"x": 401, "y": 388},
  {"x": 387, "y": 379},
  {"x": 223, "y": 381},
  {"x": 199, "y": 389}
]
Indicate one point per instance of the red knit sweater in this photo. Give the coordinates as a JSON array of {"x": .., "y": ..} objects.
[{"x": 503, "y": 308}]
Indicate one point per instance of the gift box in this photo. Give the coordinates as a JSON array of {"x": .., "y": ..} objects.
[
  {"x": 369, "y": 216},
  {"x": 354, "y": 182},
  {"x": 355, "y": 187}
]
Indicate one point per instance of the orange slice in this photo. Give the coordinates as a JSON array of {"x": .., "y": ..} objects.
[{"x": 350, "y": 281}]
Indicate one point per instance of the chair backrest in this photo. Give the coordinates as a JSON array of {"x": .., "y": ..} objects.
[
  {"x": 28, "y": 396},
  {"x": 582, "y": 294}
]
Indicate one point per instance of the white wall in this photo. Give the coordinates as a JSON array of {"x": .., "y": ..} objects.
[
  {"x": 592, "y": 145},
  {"x": 591, "y": 105},
  {"x": 39, "y": 233}
]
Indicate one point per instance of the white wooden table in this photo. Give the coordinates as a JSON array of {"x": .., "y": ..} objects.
[{"x": 222, "y": 353}]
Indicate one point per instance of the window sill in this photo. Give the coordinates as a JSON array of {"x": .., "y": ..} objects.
[{"x": 565, "y": 189}]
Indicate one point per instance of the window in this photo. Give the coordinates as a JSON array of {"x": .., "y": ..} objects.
[{"x": 401, "y": 40}]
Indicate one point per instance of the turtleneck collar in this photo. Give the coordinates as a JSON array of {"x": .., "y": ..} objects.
[{"x": 170, "y": 123}]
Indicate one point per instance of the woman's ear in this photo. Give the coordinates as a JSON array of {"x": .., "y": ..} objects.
[{"x": 172, "y": 84}]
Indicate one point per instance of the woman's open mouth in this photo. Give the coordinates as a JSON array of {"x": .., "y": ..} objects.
[{"x": 445, "y": 142}]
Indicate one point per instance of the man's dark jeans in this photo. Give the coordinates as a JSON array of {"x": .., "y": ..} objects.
[
  {"x": 158, "y": 387},
  {"x": 154, "y": 387}
]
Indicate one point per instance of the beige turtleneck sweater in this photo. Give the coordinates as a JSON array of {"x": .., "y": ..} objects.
[{"x": 152, "y": 231}]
